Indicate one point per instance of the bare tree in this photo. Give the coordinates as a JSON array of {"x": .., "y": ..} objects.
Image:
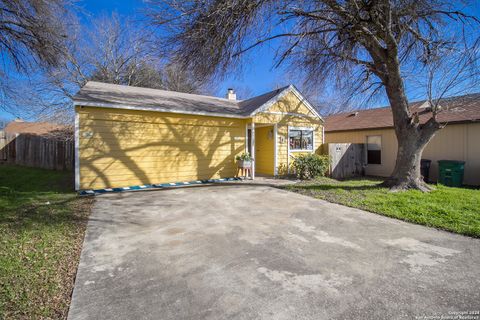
[
  {"x": 177, "y": 78},
  {"x": 32, "y": 35},
  {"x": 244, "y": 92},
  {"x": 119, "y": 51},
  {"x": 109, "y": 49},
  {"x": 32, "y": 32},
  {"x": 363, "y": 45}
]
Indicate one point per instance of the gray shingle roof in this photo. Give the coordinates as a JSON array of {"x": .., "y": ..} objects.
[{"x": 111, "y": 95}]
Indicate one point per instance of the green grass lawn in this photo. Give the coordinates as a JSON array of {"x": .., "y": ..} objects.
[
  {"x": 452, "y": 209},
  {"x": 42, "y": 223}
]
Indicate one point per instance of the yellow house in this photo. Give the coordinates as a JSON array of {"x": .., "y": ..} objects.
[
  {"x": 459, "y": 140},
  {"x": 130, "y": 136}
]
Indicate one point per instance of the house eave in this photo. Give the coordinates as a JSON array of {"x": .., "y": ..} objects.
[
  {"x": 291, "y": 88},
  {"x": 77, "y": 103},
  {"x": 262, "y": 109}
]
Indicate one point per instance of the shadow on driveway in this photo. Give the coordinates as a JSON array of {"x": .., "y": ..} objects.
[{"x": 256, "y": 252}]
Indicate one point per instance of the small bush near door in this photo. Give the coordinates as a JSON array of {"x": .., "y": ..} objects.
[{"x": 309, "y": 166}]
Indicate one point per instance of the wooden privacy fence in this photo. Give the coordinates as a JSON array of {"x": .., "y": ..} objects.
[
  {"x": 347, "y": 159},
  {"x": 38, "y": 151},
  {"x": 7, "y": 148},
  {"x": 3, "y": 142}
]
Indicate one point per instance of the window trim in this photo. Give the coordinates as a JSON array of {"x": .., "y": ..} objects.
[
  {"x": 381, "y": 149},
  {"x": 304, "y": 129}
]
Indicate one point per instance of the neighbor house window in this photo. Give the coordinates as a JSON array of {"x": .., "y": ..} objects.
[
  {"x": 374, "y": 149},
  {"x": 301, "y": 139}
]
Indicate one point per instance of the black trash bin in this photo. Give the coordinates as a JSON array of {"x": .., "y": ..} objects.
[{"x": 425, "y": 169}]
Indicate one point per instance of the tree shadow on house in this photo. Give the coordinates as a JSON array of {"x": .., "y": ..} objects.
[{"x": 128, "y": 148}]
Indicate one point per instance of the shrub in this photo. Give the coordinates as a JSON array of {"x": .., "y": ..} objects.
[{"x": 308, "y": 166}]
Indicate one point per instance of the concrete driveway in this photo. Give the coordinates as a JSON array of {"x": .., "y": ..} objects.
[{"x": 255, "y": 252}]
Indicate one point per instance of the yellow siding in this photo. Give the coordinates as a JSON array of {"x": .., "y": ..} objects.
[
  {"x": 290, "y": 104},
  {"x": 129, "y": 147},
  {"x": 454, "y": 142},
  {"x": 126, "y": 147},
  {"x": 264, "y": 150}
]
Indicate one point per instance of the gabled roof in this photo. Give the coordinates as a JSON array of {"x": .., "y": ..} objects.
[
  {"x": 98, "y": 94},
  {"x": 454, "y": 110}
]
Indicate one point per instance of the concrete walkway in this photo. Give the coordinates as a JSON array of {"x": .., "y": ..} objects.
[{"x": 256, "y": 252}]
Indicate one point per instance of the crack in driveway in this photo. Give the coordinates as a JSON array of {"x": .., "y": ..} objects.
[{"x": 255, "y": 252}]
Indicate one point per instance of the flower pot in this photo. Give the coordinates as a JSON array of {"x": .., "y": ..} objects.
[{"x": 244, "y": 163}]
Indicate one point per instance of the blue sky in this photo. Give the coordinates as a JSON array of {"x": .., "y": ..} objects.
[{"x": 258, "y": 75}]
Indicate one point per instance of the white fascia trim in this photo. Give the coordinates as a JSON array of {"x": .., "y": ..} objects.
[
  {"x": 129, "y": 107},
  {"x": 287, "y": 114},
  {"x": 288, "y": 149},
  {"x": 275, "y": 150},
  {"x": 77, "y": 151},
  {"x": 254, "y": 162},
  {"x": 264, "y": 107},
  {"x": 290, "y": 88},
  {"x": 305, "y": 101},
  {"x": 302, "y": 128}
]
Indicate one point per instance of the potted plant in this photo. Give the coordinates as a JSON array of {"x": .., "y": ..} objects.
[{"x": 244, "y": 160}]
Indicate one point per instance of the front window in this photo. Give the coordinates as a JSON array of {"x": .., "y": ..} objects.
[
  {"x": 301, "y": 139},
  {"x": 374, "y": 150}
]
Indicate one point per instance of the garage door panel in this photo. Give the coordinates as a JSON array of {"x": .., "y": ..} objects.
[
  {"x": 159, "y": 151},
  {"x": 100, "y": 181},
  {"x": 93, "y": 116},
  {"x": 127, "y": 149},
  {"x": 159, "y": 130},
  {"x": 111, "y": 140},
  {"x": 161, "y": 164}
]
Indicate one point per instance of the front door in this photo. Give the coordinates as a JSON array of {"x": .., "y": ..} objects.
[{"x": 264, "y": 150}]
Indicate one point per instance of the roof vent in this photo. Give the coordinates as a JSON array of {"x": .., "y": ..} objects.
[
  {"x": 425, "y": 105},
  {"x": 353, "y": 114},
  {"x": 231, "y": 95},
  {"x": 428, "y": 106}
]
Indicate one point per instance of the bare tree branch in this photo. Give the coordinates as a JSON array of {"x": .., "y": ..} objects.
[{"x": 363, "y": 46}]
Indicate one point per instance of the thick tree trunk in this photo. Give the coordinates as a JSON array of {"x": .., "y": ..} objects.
[
  {"x": 406, "y": 174},
  {"x": 411, "y": 136}
]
